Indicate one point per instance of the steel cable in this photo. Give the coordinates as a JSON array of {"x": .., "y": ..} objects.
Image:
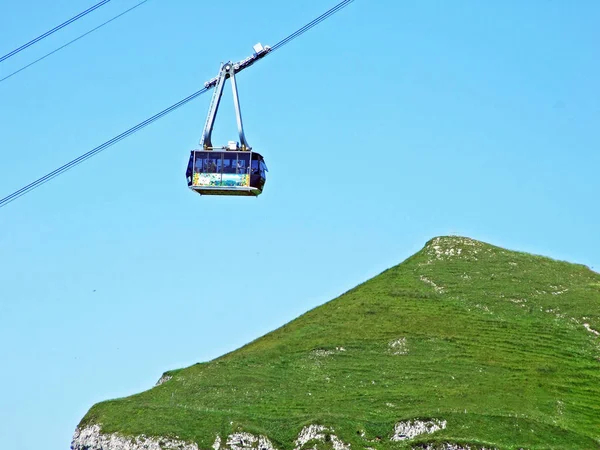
[
  {"x": 53, "y": 30},
  {"x": 312, "y": 24},
  {"x": 25, "y": 189},
  {"x": 72, "y": 41}
]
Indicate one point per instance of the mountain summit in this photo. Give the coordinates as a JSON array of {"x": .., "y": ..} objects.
[{"x": 464, "y": 345}]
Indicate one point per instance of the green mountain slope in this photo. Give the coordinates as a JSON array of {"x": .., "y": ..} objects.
[{"x": 498, "y": 345}]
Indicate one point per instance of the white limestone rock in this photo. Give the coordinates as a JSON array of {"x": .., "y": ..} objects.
[
  {"x": 90, "y": 438},
  {"x": 247, "y": 441},
  {"x": 163, "y": 379},
  {"x": 398, "y": 346},
  {"x": 451, "y": 247},
  {"x": 412, "y": 428},
  {"x": 591, "y": 330},
  {"x": 320, "y": 352},
  {"x": 319, "y": 433},
  {"x": 436, "y": 287}
]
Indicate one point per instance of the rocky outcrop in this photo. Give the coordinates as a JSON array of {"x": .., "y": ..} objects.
[
  {"x": 413, "y": 428},
  {"x": 398, "y": 346},
  {"x": 90, "y": 438},
  {"x": 244, "y": 441},
  {"x": 320, "y": 433},
  {"x": 163, "y": 379}
]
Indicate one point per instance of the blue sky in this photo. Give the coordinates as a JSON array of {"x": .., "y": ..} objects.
[{"x": 391, "y": 123}]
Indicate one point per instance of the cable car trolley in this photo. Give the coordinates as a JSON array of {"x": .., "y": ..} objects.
[{"x": 234, "y": 169}]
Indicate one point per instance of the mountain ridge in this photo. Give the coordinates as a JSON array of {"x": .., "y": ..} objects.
[{"x": 499, "y": 346}]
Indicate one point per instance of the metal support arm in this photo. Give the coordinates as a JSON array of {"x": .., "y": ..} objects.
[
  {"x": 238, "y": 112},
  {"x": 228, "y": 70},
  {"x": 212, "y": 110}
]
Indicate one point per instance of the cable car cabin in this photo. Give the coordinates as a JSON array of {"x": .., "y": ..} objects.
[{"x": 226, "y": 172}]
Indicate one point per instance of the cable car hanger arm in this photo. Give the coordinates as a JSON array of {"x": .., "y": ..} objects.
[
  {"x": 205, "y": 141},
  {"x": 228, "y": 70}
]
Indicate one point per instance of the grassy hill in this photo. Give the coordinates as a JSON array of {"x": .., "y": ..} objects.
[{"x": 499, "y": 345}]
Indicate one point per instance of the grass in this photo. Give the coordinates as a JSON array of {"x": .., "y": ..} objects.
[{"x": 492, "y": 341}]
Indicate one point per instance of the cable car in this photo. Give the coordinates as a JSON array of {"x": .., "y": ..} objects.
[
  {"x": 234, "y": 169},
  {"x": 228, "y": 172}
]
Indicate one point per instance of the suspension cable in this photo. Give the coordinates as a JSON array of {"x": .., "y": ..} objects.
[
  {"x": 97, "y": 150},
  {"x": 72, "y": 41},
  {"x": 312, "y": 24},
  {"x": 40, "y": 181},
  {"x": 53, "y": 30}
]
